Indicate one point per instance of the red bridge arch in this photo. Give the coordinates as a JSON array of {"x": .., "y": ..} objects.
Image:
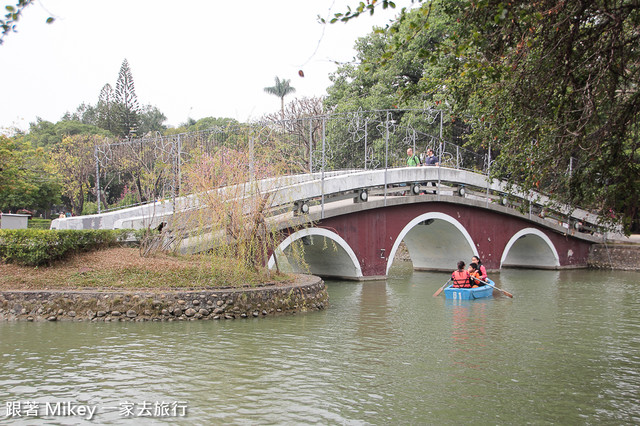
[{"x": 361, "y": 244}]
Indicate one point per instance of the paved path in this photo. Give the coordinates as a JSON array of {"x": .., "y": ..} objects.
[{"x": 631, "y": 239}]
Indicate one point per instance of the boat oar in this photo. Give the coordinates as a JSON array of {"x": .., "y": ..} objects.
[
  {"x": 499, "y": 289},
  {"x": 437, "y": 293}
]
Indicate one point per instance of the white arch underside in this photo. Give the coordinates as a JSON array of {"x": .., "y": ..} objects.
[
  {"x": 530, "y": 248},
  {"x": 435, "y": 241},
  {"x": 325, "y": 254}
]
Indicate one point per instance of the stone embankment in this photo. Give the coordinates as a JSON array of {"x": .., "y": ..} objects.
[
  {"x": 624, "y": 257},
  {"x": 308, "y": 293}
]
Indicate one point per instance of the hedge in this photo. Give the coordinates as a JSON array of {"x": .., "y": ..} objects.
[
  {"x": 37, "y": 223},
  {"x": 35, "y": 247}
]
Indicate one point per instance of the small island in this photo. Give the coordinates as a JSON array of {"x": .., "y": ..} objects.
[{"x": 117, "y": 284}]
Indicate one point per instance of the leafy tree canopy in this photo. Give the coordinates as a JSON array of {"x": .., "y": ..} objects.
[
  {"x": 24, "y": 182},
  {"x": 151, "y": 120},
  {"x": 209, "y": 122},
  {"x": 552, "y": 86},
  {"x": 72, "y": 161},
  {"x": 192, "y": 125},
  {"x": 44, "y": 133}
]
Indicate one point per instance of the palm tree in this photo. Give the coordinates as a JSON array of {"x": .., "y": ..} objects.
[{"x": 281, "y": 89}]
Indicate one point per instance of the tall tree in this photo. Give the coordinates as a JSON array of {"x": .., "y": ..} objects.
[
  {"x": 72, "y": 160},
  {"x": 106, "y": 108},
  {"x": 281, "y": 89},
  {"x": 127, "y": 107}
]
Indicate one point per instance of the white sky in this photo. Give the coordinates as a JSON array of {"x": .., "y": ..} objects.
[{"x": 190, "y": 58}]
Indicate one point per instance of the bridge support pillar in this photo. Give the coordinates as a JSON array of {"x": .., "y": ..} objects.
[{"x": 370, "y": 237}]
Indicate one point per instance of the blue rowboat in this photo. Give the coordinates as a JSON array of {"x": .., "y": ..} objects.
[{"x": 469, "y": 293}]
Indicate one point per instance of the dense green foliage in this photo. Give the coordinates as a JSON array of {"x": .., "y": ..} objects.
[
  {"x": 551, "y": 86},
  {"x": 192, "y": 125},
  {"x": 53, "y": 165},
  {"x": 46, "y": 134},
  {"x": 34, "y": 247},
  {"x": 24, "y": 181}
]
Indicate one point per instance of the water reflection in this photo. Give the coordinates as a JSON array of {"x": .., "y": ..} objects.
[
  {"x": 468, "y": 320},
  {"x": 374, "y": 319}
]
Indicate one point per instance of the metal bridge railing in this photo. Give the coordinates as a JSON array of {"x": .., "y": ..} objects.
[{"x": 150, "y": 168}]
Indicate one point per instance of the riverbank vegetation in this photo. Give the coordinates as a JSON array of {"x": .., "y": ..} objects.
[
  {"x": 37, "y": 247},
  {"x": 123, "y": 268},
  {"x": 111, "y": 259}
]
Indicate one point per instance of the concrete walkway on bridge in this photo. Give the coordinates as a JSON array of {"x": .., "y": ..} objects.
[{"x": 631, "y": 239}]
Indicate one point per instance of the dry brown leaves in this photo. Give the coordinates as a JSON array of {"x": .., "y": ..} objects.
[{"x": 84, "y": 270}]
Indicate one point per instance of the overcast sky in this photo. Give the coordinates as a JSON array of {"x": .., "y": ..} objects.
[{"x": 194, "y": 58}]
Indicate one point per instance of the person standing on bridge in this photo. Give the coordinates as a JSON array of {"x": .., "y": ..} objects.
[
  {"x": 431, "y": 159},
  {"x": 412, "y": 159}
]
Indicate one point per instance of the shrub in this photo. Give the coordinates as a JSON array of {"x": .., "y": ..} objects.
[
  {"x": 89, "y": 207},
  {"x": 34, "y": 247},
  {"x": 37, "y": 223}
]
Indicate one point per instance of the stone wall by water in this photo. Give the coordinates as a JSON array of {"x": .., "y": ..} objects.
[
  {"x": 615, "y": 256},
  {"x": 308, "y": 293}
]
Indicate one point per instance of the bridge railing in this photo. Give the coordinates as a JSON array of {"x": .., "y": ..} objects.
[
  {"x": 437, "y": 184},
  {"x": 373, "y": 140},
  {"x": 151, "y": 168}
]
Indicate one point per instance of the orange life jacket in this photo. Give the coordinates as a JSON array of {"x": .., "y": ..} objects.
[
  {"x": 477, "y": 276},
  {"x": 461, "y": 279}
]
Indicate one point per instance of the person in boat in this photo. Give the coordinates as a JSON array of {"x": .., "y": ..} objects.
[
  {"x": 481, "y": 268},
  {"x": 461, "y": 277},
  {"x": 474, "y": 275}
]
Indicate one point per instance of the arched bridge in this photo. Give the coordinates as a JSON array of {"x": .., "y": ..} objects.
[
  {"x": 361, "y": 242},
  {"x": 359, "y": 218}
]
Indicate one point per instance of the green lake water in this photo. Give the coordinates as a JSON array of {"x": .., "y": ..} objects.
[{"x": 565, "y": 350}]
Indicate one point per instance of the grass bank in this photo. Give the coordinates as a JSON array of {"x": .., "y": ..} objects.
[{"x": 123, "y": 268}]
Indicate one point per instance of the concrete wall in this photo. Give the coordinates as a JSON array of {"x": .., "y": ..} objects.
[
  {"x": 615, "y": 256},
  {"x": 14, "y": 221}
]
